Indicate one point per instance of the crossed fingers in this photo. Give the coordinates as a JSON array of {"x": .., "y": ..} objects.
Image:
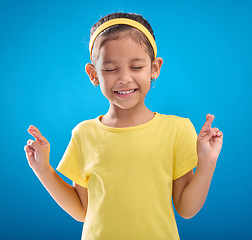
[{"x": 36, "y": 134}]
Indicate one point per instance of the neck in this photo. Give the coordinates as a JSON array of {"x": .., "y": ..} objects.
[{"x": 117, "y": 117}]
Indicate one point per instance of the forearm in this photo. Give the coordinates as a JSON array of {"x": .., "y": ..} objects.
[
  {"x": 194, "y": 195},
  {"x": 63, "y": 193}
]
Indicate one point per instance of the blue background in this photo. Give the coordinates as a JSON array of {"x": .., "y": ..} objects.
[{"x": 206, "y": 47}]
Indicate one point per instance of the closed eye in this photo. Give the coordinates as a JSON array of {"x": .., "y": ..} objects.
[
  {"x": 109, "y": 70},
  {"x": 137, "y": 67}
]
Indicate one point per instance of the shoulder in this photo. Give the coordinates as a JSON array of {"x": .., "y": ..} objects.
[
  {"x": 175, "y": 124},
  {"x": 84, "y": 126},
  {"x": 172, "y": 120}
]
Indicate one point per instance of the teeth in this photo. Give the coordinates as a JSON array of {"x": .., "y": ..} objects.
[{"x": 126, "y": 92}]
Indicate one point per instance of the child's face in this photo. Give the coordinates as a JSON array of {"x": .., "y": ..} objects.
[{"x": 124, "y": 73}]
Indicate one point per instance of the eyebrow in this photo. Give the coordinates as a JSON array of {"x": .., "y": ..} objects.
[{"x": 133, "y": 60}]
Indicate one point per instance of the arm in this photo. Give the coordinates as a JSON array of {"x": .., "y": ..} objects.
[
  {"x": 190, "y": 191},
  {"x": 67, "y": 196}
]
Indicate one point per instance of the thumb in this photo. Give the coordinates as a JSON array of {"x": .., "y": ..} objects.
[
  {"x": 208, "y": 136},
  {"x": 34, "y": 145},
  {"x": 29, "y": 155}
]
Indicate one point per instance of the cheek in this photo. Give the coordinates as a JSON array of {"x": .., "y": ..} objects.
[
  {"x": 105, "y": 88},
  {"x": 146, "y": 80},
  {"x": 105, "y": 91}
]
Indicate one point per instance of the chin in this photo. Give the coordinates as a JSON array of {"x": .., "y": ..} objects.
[{"x": 127, "y": 106}]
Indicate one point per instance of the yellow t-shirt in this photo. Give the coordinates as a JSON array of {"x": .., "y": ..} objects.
[{"x": 129, "y": 174}]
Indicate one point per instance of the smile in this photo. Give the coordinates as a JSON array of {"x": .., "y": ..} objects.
[{"x": 125, "y": 93}]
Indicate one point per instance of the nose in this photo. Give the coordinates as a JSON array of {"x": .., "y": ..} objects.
[{"x": 125, "y": 76}]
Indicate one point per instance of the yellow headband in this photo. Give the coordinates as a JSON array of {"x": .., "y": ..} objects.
[{"x": 125, "y": 21}]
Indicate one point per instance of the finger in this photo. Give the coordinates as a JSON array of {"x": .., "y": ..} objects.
[
  {"x": 27, "y": 150},
  {"x": 31, "y": 149},
  {"x": 208, "y": 136},
  {"x": 29, "y": 155},
  {"x": 37, "y": 135},
  {"x": 215, "y": 129},
  {"x": 30, "y": 141},
  {"x": 207, "y": 125},
  {"x": 34, "y": 128},
  {"x": 208, "y": 115},
  {"x": 31, "y": 145},
  {"x": 209, "y": 120},
  {"x": 35, "y": 145},
  {"x": 220, "y": 134}
]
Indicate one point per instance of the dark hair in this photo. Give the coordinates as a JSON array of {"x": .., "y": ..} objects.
[{"x": 111, "y": 33}]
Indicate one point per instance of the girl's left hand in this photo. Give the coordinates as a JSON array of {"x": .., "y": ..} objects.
[{"x": 209, "y": 142}]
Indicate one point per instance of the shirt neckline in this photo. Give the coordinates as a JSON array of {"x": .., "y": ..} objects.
[{"x": 126, "y": 129}]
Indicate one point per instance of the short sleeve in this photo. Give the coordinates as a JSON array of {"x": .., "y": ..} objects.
[
  {"x": 185, "y": 154},
  {"x": 72, "y": 162}
]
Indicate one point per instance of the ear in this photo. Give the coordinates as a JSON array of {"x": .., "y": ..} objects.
[
  {"x": 91, "y": 72},
  {"x": 156, "y": 66}
]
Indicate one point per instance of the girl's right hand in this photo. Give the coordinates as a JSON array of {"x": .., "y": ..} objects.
[{"x": 37, "y": 152}]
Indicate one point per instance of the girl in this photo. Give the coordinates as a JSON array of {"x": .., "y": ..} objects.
[{"x": 129, "y": 164}]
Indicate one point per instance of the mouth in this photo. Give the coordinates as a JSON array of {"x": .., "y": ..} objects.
[{"x": 125, "y": 93}]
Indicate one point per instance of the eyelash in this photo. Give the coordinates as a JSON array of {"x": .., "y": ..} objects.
[{"x": 110, "y": 70}]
